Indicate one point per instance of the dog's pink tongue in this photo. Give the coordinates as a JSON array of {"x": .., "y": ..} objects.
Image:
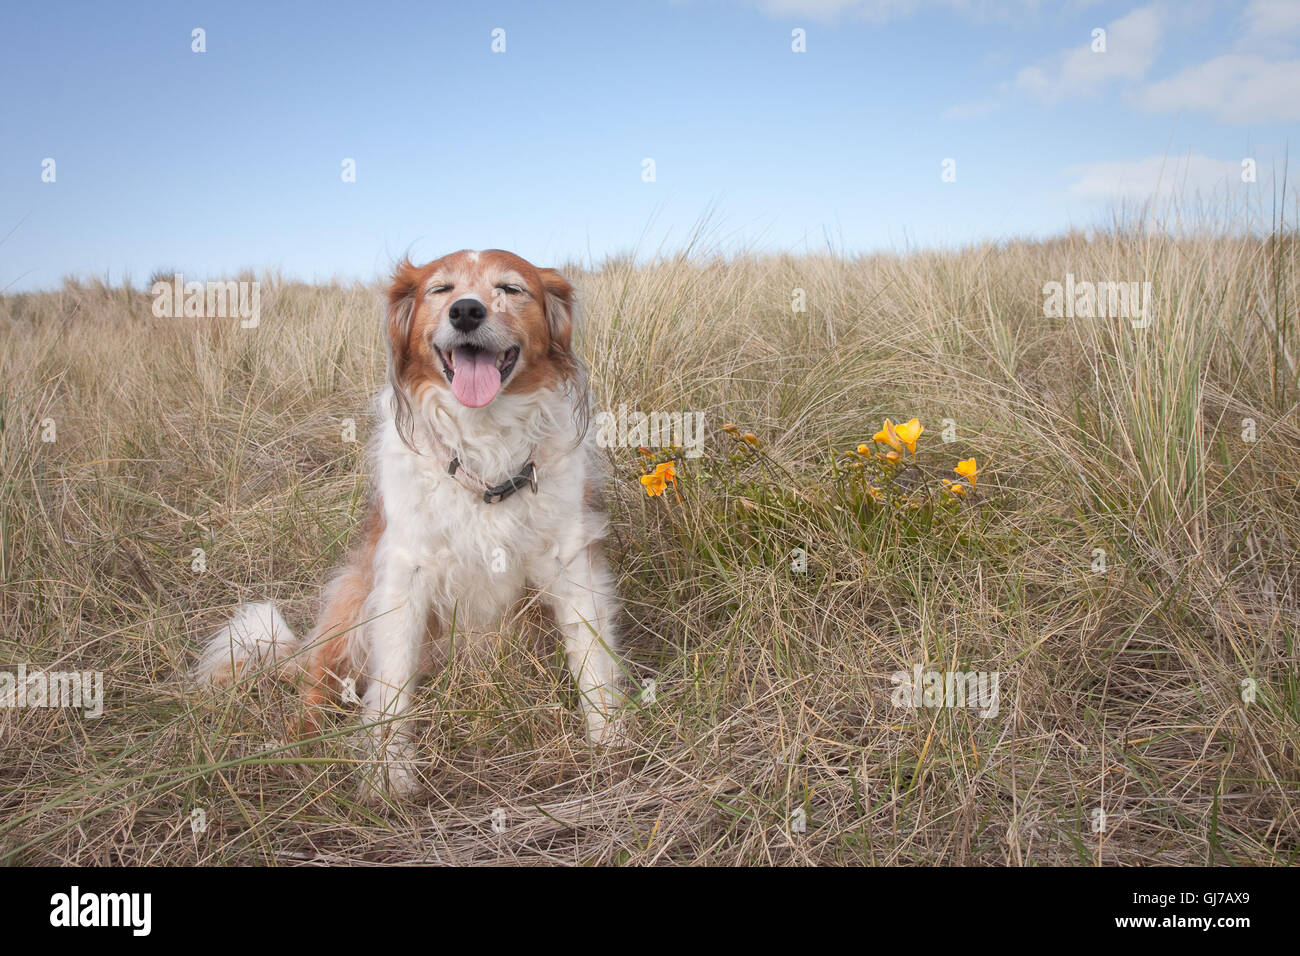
[{"x": 476, "y": 379}]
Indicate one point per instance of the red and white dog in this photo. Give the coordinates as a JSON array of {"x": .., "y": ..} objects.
[{"x": 482, "y": 487}]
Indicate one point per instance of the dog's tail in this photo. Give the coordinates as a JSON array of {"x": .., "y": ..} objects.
[{"x": 257, "y": 634}]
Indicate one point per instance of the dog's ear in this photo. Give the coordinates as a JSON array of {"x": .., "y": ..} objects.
[
  {"x": 403, "y": 300},
  {"x": 561, "y": 316},
  {"x": 559, "y": 309},
  {"x": 402, "y": 296}
]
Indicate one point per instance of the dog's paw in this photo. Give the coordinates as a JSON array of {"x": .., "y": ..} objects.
[
  {"x": 607, "y": 731},
  {"x": 396, "y": 776}
]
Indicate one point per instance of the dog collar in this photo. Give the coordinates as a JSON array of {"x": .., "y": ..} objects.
[{"x": 494, "y": 493}]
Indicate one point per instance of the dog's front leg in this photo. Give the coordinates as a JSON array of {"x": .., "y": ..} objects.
[
  {"x": 580, "y": 593},
  {"x": 399, "y": 612}
]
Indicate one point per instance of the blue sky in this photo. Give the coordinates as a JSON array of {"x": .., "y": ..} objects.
[{"x": 232, "y": 158}]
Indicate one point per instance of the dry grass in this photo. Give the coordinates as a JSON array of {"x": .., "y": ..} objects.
[{"x": 1121, "y": 691}]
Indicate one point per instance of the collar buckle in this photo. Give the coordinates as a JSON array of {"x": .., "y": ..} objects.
[{"x": 527, "y": 476}]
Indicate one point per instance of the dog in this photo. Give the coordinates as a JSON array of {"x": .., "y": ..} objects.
[{"x": 483, "y": 487}]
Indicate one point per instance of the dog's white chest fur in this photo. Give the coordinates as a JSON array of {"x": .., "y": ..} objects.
[{"x": 469, "y": 558}]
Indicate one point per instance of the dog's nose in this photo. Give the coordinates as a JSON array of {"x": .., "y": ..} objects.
[{"x": 466, "y": 315}]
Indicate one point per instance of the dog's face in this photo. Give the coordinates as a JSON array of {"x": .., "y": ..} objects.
[{"x": 478, "y": 325}]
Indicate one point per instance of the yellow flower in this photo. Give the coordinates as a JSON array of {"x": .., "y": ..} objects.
[
  {"x": 892, "y": 457},
  {"x": 864, "y": 449},
  {"x": 659, "y": 479},
  {"x": 654, "y": 484},
  {"x": 967, "y": 470},
  {"x": 956, "y": 487},
  {"x": 730, "y": 429},
  {"x": 909, "y": 433},
  {"x": 888, "y": 436},
  {"x": 749, "y": 438}
]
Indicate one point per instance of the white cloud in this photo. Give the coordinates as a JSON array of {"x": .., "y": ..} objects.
[
  {"x": 1235, "y": 88},
  {"x": 1255, "y": 84},
  {"x": 1169, "y": 176},
  {"x": 1242, "y": 87},
  {"x": 1132, "y": 43},
  {"x": 1271, "y": 25},
  {"x": 831, "y": 9}
]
